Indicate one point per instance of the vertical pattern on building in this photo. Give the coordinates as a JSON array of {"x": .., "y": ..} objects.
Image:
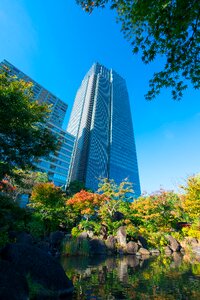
[
  {"x": 123, "y": 158},
  {"x": 97, "y": 163},
  {"x": 102, "y": 125}
]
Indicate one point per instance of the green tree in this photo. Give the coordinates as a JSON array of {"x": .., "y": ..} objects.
[
  {"x": 48, "y": 203},
  {"x": 191, "y": 198},
  {"x": 23, "y": 135},
  {"x": 116, "y": 194},
  {"x": 114, "y": 211},
  {"x": 161, "y": 28}
]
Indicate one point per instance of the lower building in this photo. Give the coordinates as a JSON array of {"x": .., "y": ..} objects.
[{"x": 57, "y": 165}]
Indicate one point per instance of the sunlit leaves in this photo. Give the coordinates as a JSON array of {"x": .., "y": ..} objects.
[{"x": 161, "y": 28}]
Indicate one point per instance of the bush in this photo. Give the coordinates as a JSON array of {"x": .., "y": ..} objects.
[
  {"x": 4, "y": 239},
  {"x": 192, "y": 231},
  {"x": 76, "y": 247},
  {"x": 132, "y": 231},
  {"x": 75, "y": 232},
  {"x": 156, "y": 240}
]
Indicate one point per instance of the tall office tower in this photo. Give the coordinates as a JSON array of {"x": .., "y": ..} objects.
[
  {"x": 56, "y": 165},
  {"x": 102, "y": 125}
]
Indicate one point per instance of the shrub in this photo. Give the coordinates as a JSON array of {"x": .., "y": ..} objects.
[
  {"x": 76, "y": 247},
  {"x": 132, "y": 231}
]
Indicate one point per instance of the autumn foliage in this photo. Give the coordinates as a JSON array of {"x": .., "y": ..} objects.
[
  {"x": 160, "y": 210},
  {"x": 86, "y": 203}
]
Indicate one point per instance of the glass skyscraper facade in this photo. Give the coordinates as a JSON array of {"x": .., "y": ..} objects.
[
  {"x": 102, "y": 126},
  {"x": 57, "y": 164}
]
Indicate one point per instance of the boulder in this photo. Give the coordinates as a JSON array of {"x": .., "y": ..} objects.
[
  {"x": 25, "y": 238},
  {"x": 56, "y": 238},
  {"x": 41, "y": 267},
  {"x": 90, "y": 234},
  {"x": 173, "y": 243},
  {"x": 12, "y": 284},
  {"x": 97, "y": 247},
  {"x": 111, "y": 243},
  {"x": 142, "y": 242},
  {"x": 104, "y": 232},
  {"x": 132, "y": 261},
  {"x": 121, "y": 236},
  {"x": 83, "y": 235},
  {"x": 191, "y": 241},
  {"x": 144, "y": 251},
  {"x": 132, "y": 248},
  {"x": 44, "y": 246},
  {"x": 167, "y": 250}
]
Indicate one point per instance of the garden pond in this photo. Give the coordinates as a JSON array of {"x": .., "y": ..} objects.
[{"x": 128, "y": 277}]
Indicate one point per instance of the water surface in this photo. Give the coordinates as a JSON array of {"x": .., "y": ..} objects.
[{"x": 159, "y": 278}]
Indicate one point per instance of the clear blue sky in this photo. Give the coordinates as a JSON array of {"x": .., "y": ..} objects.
[{"x": 55, "y": 43}]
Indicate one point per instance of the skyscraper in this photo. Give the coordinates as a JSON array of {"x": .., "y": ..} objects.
[
  {"x": 57, "y": 164},
  {"x": 102, "y": 125}
]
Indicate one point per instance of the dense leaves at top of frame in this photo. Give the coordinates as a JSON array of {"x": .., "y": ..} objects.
[{"x": 168, "y": 28}]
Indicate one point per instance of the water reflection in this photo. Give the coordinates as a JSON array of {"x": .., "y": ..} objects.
[{"x": 128, "y": 277}]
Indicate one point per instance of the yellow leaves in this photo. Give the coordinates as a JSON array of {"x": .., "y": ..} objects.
[{"x": 191, "y": 200}]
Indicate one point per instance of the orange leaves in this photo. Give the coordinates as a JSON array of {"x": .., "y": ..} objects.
[
  {"x": 6, "y": 186},
  {"x": 86, "y": 202}
]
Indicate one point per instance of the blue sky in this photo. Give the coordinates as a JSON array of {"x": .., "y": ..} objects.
[{"x": 55, "y": 43}]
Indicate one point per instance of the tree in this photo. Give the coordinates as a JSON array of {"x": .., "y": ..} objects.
[
  {"x": 86, "y": 203},
  {"x": 116, "y": 195},
  {"x": 48, "y": 203},
  {"x": 23, "y": 135},
  {"x": 191, "y": 198},
  {"x": 161, "y": 28},
  {"x": 160, "y": 211},
  {"x": 25, "y": 180}
]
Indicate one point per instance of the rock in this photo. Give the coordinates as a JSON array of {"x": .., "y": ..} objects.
[
  {"x": 12, "y": 284},
  {"x": 138, "y": 254},
  {"x": 132, "y": 261},
  {"x": 182, "y": 251},
  {"x": 97, "y": 246},
  {"x": 24, "y": 238},
  {"x": 121, "y": 236},
  {"x": 142, "y": 242},
  {"x": 173, "y": 243},
  {"x": 132, "y": 248},
  {"x": 144, "y": 251},
  {"x": 196, "y": 250},
  {"x": 118, "y": 216},
  {"x": 90, "y": 234},
  {"x": 121, "y": 251},
  {"x": 56, "y": 238},
  {"x": 103, "y": 232},
  {"x": 41, "y": 267},
  {"x": 168, "y": 250},
  {"x": 44, "y": 246},
  {"x": 111, "y": 243},
  {"x": 155, "y": 252},
  {"x": 83, "y": 235},
  {"x": 177, "y": 257}
]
